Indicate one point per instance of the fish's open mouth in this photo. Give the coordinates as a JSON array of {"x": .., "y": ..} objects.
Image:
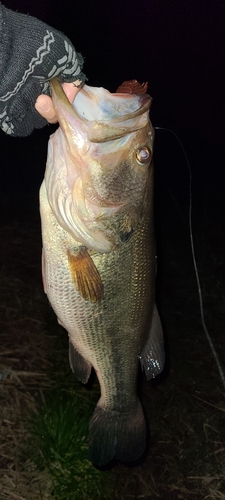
[
  {"x": 110, "y": 116},
  {"x": 99, "y": 115},
  {"x": 93, "y": 103}
]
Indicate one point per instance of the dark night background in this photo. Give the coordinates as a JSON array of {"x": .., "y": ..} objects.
[{"x": 178, "y": 47}]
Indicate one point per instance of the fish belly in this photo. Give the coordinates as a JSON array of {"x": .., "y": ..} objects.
[{"x": 110, "y": 334}]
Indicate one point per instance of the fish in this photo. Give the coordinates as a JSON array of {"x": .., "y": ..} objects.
[{"x": 99, "y": 256}]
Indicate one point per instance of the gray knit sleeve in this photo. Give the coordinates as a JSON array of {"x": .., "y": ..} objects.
[{"x": 31, "y": 53}]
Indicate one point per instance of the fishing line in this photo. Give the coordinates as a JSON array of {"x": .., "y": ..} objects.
[{"x": 194, "y": 260}]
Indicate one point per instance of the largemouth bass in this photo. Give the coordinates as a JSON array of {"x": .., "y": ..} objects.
[{"x": 99, "y": 267}]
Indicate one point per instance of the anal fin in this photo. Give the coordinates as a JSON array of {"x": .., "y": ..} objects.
[
  {"x": 152, "y": 357},
  {"x": 85, "y": 275},
  {"x": 79, "y": 366}
]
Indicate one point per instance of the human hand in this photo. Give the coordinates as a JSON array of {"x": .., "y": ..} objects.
[
  {"x": 44, "y": 104},
  {"x": 31, "y": 54}
]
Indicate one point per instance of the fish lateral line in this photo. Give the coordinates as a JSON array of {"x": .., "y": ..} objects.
[{"x": 85, "y": 275}]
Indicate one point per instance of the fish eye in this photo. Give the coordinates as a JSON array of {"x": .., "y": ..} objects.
[{"x": 143, "y": 155}]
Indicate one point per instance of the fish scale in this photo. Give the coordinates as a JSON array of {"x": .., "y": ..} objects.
[{"x": 109, "y": 310}]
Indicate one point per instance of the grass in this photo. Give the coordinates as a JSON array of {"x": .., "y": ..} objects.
[{"x": 61, "y": 429}]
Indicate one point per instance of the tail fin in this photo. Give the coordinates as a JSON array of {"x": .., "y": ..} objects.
[{"x": 116, "y": 435}]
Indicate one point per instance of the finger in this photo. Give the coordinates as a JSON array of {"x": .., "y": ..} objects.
[
  {"x": 44, "y": 106},
  {"x": 71, "y": 89}
]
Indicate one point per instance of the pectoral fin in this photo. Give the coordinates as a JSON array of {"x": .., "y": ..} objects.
[
  {"x": 85, "y": 275},
  {"x": 79, "y": 366},
  {"x": 153, "y": 356}
]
